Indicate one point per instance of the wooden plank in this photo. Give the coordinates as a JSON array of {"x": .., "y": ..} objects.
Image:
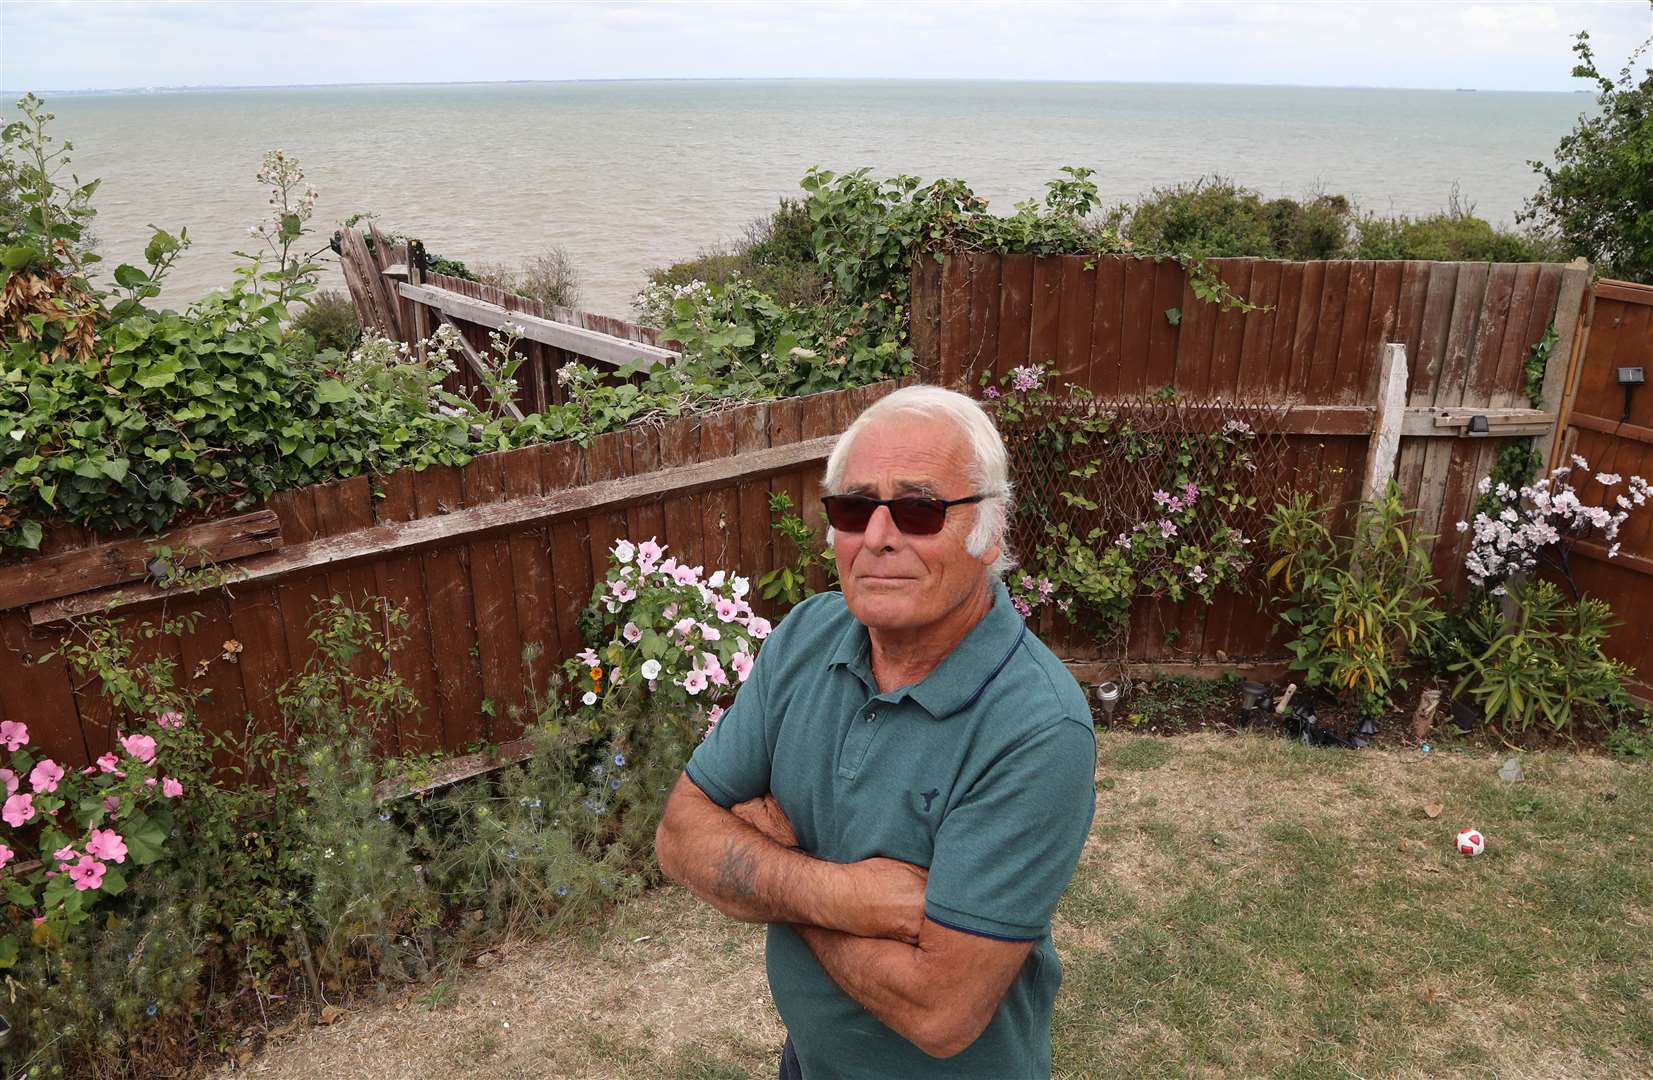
[
  {"x": 1352, "y": 361},
  {"x": 1073, "y": 327},
  {"x": 531, "y": 590},
  {"x": 1323, "y": 385},
  {"x": 562, "y": 470},
  {"x": 1107, "y": 312},
  {"x": 589, "y": 343},
  {"x": 1196, "y": 336},
  {"x": 256, "y": 620},
  {"x": 493, "y": 599},
  {"x": 37, "y": 692},
  {"x": 719, "y": 506},
  {"x": 297, "y": 595},
  {"x": 1136, "y": 326},
  {"x": 1628, "y": 291},
  {"x": 1047, "y": 310},
  {"x": 646, "y": 519},
  {"x": 786, "y": 428},
  {"x": 1447, "y": 468},
  {"x": 1508, "y": 378},
  {"x": 1015, "y": 313},
  {"x": 1162, "y": 336},
  {"x": 1306, "y": 329},
  {"x": 955, "y": 318},
  {"x": 1386, "y": 431},
  {"x": 821, "y": 419},
  {"x": 680, "y": 447},
  {"x": 925, "y": 316},
  {"x": 463, "y": 524},
  {"x": 400, "y": 580},
  {"x": 1382, "y": 326},
  {"x": 1228, "y": 342},
  {"x": 438, "y": 498},
  {"x": 1276, "y": 373},
  {"x": 1252, "y": 365},
  {"x": 100, "y": 566},
  {"x": 756, "y": 552},
  {"x": 986, "y": 273}
]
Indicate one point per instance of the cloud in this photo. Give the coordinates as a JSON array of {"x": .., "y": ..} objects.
[{"x": 106, "y": 45}]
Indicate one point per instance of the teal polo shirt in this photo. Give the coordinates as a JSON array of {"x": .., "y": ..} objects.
[{"x": 983, "y": 773}]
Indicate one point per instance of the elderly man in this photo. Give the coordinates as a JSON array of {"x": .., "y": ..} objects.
[{"x": 903, "y": 786}]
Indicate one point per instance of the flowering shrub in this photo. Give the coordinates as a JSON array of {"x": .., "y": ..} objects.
[
  {"x": 1540, "y": 521},
  {"x": 73, "y": 835},
  {"x": 1184, "y": 541},
  {"x": 685, "y": 638}
]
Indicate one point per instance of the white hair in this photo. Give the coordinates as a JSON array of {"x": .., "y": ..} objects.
[{"x": 989, "y": 473}]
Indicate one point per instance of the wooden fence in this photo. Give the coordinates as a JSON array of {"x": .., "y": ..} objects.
[
  {"x": 1122, "y": 326},
  {"x": 1608, "y": 420},
  {"x": 486, "y": 559}
]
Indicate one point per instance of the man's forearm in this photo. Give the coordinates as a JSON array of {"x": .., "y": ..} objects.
[
  {"x": 736, "y": 868},
  {"x": 887, "y": 978}
]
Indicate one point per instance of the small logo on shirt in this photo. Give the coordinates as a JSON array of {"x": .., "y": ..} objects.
[{"x": 928, "y": 797}]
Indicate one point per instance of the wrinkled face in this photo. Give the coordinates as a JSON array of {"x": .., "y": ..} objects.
[{"x": 893, "y": 581}]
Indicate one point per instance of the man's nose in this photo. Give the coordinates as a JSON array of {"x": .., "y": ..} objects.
[{"x": 881, "y": 532}]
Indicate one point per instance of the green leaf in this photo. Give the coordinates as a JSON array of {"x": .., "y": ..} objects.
[
  {"x": 8, "y": 951},
  {"x": 1173, "y": 316},
  {"x": 115, "y": 469},
  {"x": 17, "y": 256},
  {"x": 114, "y": 882},
  {"x": 144, "y": 840},
  {"x": 331, "y": 392},
  {"x": 128, "y": 276}
]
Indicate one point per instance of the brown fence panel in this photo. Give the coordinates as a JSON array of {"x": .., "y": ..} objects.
[
  {"x": 1614, "y": 439},
  {"x": 478, "y": 589},
  {"x": 1120, "y": 326}
]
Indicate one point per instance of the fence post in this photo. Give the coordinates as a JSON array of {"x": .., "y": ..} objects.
[
  {"x": 1384, "y": 448},
  {"x": 1572, "y": 329}
]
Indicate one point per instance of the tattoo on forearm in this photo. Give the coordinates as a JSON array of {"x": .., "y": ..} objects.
[{"x": 738, "y": 872}]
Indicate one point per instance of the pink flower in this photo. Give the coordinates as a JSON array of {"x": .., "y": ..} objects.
[
  {"x": 991, "y": 393},
  {"x": 694, "y": 682},
  {"x": 714, "y": 670},
  {"x": 150, "y": 781},
  {"x": 710, "y": 632},
  {"x": 65, "y": 853},
  {"x": 1163, "y": 498},
  {"x": 18, "y": 809},
  {"x": 45, "y": 776},
  {"x": 109, "y": 763},
  {"x": 171, "y": 788},
  {"x": 1190, "y": 492},
  {"x": 759, "y": 627},
  {"x": 1022, "y": 607},
  {"x": 648, "y": 553},
  {"x": 623, "y": 592},
  {"x": 669, "y": 567},
  {"x": 87, "y": 873},
  {"x": 742, "y": 665},
  {"x": 727, "y": 610},
  {"x": 588, "y": 658},
  {"x": 171, "y": 719},
  {"x": 713, "y": 717},
  {"x": 14, "y": 734},
  {"x": 106, "y": 844},
  {"x": 632, "y": 633},
  {"x": 686, "y": 575},
  {"x": 6, "y": 855},
  {"x": 1167, "y": 528},
  {"x": 141, "y": 747},
  {"x": 11, "y": 781},
  {"x": 682, "y": 627}
]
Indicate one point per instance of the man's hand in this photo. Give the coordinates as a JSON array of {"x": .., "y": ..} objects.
[
  {"x": 765, "y": 815},
  {"x": 890, "y": 901}
]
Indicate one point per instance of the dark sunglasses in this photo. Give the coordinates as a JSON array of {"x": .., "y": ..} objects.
[{"x": 914, "y": 515}]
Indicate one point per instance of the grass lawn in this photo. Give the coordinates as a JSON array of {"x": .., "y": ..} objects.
[{"x": 1245, "y": 907}]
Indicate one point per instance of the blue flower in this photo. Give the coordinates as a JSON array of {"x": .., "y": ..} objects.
[
  {"x": 385, "y": 816},
  {"x": 597, "y": 771},
  {"x": 151, "y": 1009},
  {"x": 614, "y": 785},
  {"x": 562, "y": 890},
  {"x": 620, "y": 760}
]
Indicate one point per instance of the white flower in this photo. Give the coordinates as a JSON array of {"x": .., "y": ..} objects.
[
  {"x": 590, "y": 697},
  {"x": 624, "y": 550},
  {"x": 1612, "y": 552},
  {"x": 651, "y": 669}
]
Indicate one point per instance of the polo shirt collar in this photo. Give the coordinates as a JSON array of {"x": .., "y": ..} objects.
[{"x": 960, "y": 678}]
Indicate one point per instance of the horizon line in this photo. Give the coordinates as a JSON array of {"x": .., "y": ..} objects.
[{"x": 188, "y": 88}]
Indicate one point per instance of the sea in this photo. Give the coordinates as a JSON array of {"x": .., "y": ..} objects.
[{"x": 627, "y": 176}]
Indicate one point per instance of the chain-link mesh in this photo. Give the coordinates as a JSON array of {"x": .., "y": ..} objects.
[{"x": 1134, "y": 455}]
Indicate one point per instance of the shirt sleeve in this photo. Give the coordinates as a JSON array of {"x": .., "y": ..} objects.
[
  {"x": 1005, "y": 852},
  {"x": 732, "y": 764}
]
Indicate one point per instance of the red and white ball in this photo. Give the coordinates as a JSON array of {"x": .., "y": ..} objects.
[{"x": 1471, "y": 842}]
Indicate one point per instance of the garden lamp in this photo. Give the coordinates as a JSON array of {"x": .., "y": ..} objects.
[{"x": 1108, "y": 694}]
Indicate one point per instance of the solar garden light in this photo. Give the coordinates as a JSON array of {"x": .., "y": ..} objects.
[
  {"x": 1253, "y": 699},
  {"x": 1478, "y": 425},
  {"x": 1108, "y": 694}
]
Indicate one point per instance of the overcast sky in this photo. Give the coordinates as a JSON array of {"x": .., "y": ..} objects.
[{"x": 86, "y": 44}]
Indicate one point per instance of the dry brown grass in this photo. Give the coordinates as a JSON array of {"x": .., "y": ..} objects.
[{"x": 1243, "y": 908}]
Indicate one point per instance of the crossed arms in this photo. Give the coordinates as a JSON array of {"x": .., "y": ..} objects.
[{"x": 863, "y": 921}]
